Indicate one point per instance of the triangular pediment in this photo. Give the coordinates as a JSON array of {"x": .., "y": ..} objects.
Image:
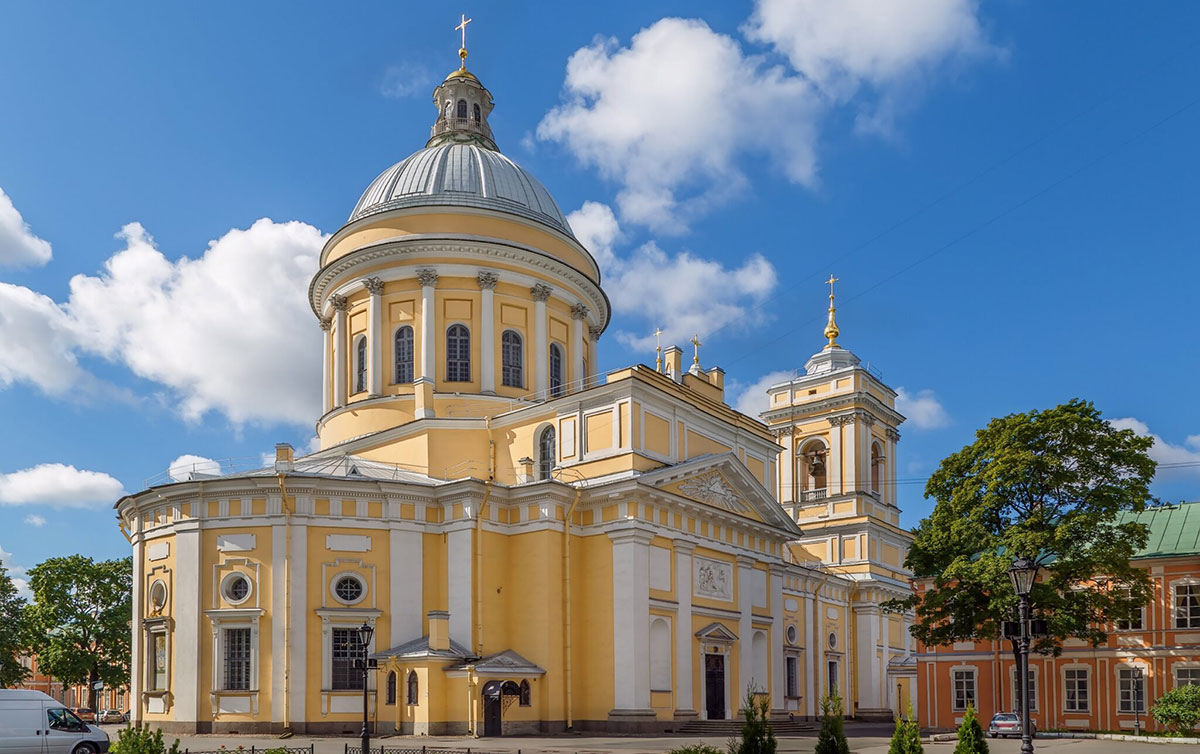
[
  {"x": 722, "y": 481},
  {"x": 716, "y": 632}
]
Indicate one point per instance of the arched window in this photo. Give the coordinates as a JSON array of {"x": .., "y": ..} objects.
[
  {"x": 458, "y": 354},
  {"x": 390, "y": 697},
  {"x": 462, "y": 109},
  {"x": 660, "y": 655},
  {"x": 758, "y": 650},
  {"x": 556, "y": 370},
  {"x": 477, "y": 114},
  {"x": 546, "y": 453},
  {"x": 811, "y": 471},
  {"x": 876, "y": 468},
  {"x": 512, "y": 370},
  {"x": 360, "y": 367},
  {"x": 525, "y": 694},
  {"x": 410, "y": 695},
  {"x": 404, "y": 355}
]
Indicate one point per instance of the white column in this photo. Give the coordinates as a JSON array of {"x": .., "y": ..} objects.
[
  {"x": 851, "y": 469},
  {"x": 278, "y": 626},
  {"x": 375, "y": 337},
  {"x": 778, "y": 671},
  {"x": 865, "y": 660},
  {"x": 685, "y": 640},
  {"x": 487, "y": 338},
  {"x": 298, "y": 624},
  {"x": 889, "y": 479},
  {"x": 138, "y": 661},
  {"x": 340, "y": 344},
  {"x": 746, "y": 573},
  {"x": 427, "y": 378},
  {"x": 787, "y": 465},
  {"x": 326, "y": 365},
  {"x": 185, "y": 643},
  {"x": 836, "y": 451},
  {"x": 631, "y": 621},
  {"x": 405, "y": 603},
  {"x": 579, "y": 314},
  {"x": 541, "y": 346},
  {"x": 811, "y": 644},
  {"x": 458, "y": 583}
]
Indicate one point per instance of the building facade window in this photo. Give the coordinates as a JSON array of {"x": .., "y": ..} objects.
[
  {"x": 526, "y": 695},
  {"x": 349, "y": 589},
  {"x": 346, "y": 649},
  {"x": 237, "y": 651},
  {"x": 792, "y": 666},
  {"x": 462, "y": 109},
  {"x": 458, "y": 354},
  {"x": 1076, "y": 690},
  {"x": 390, "y": 692},
  {"x": 833, "y": 677},
  {"x": 158, "y": 661},
  {"x": 964, "y": 689},
  {"x": 1187, "y": 676},
  {"x": 404, "y": 355},
  {"x": 235, "y": 588},
  {"x": 477, "y": 113},
  {"x": 546, "y": 453},
  {"x": 556, "y": 370},
  {"x": 876, "y": 468},
  {"x": 360, "y": 365},
  {"x": 1032, "y": 690},
  {"x": 412, "y": 687},
  {"x": 1187, "y": 606},
  {"x": 512, "y": 370},
  {"x": 1131, "y": 691}
]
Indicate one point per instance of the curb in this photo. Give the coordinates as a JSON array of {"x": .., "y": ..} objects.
[{"x": 1124, "y": 737}]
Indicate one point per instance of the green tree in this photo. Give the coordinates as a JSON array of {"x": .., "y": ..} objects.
[
  {"x": 1178, "y": 710},
  {"x": 1049, "y": 485},
  {"x": 757, "y": 736},
  {"x": 831, "y": 738},
  {"x": 907, "y": 737},
  {"x": 970, "y": 735},
  {"x": 79, "y": 620},
  {"x": 12, "y": 632},
  {"x": 140, "y": 740}
]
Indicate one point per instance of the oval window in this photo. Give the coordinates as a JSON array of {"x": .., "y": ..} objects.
[
  {"x": 236, "y": 588},
  {"x": 792, "y": 634},
  {"x": 348, "y": 589}
]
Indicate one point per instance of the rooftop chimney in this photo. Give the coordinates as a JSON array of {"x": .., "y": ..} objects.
[{"x": 439, "y": 630}]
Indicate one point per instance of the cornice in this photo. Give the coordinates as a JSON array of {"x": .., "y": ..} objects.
[{"x": 834, "y": 404}]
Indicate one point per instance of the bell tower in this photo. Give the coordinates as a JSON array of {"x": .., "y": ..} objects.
[{"x": 837, "y": 423}]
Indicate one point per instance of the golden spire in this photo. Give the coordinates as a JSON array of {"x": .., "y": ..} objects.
[
  {"x": 658, "y": 349},
  {"x": 831, "y": 328},
  {"x": 696, "y": 345},
  {"x": 462, "y": 51}
]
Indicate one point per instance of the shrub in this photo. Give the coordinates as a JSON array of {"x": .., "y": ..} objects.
[
  {"x": 832, "y": 738},
  {"x": 907, "y": 738},
  {"x": 139, "y": 740},
  {"x": 970, "y": 735},
  {"x": 757, "y": 736},
  {"x": 696, "y": 749},
  {"x": 1178, "y": 710}
]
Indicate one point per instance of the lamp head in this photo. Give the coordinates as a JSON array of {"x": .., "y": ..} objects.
[
  {"x": 365, "y": 632},
  {"x": 1023, "y": 573}
]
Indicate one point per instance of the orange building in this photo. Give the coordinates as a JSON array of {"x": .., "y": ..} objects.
[
  {"x": 1087, "y": 688},
  {"x": 70, "y": 696}
]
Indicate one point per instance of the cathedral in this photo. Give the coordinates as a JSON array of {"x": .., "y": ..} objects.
[{"x": 518, "y": 542}]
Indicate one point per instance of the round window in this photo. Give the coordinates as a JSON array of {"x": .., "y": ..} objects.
[
  {"x": 158, "y": 597},
  {"x": 792, "y": 633},
  {"x": 348, "y": 589},
  {"x": 832, "y": 639},
  {"x": 236, "y": 588}
]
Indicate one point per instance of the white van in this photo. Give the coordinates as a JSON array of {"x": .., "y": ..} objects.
[{"x": 34, "y": 723}]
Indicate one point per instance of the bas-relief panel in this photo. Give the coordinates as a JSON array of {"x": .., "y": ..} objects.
[{"x": 712, "y": 579}]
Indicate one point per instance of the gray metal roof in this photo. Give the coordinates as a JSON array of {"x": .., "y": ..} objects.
[{"x": 461, "y": 175}]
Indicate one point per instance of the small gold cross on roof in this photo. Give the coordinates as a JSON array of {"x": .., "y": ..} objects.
[
  {"x": 696, "y": 342},
  {"x": 831, "y": 281},
  {"x": 463, "y": 28}
]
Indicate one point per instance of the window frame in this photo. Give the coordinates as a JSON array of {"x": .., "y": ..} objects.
[
  {"x": 557, "y": 356},
  {"x": 458, "y": 366},
  {"x": 1192, "y": 670},
  {"x": 389, "y": 693},
  {"x": 151, "y": 669},
  {"x": 399, "y": 361},
  {"x": 412, "y": 689},
  {"x": 1033, "y": 682},
  {"x": 1086, "y": 680},
  {"x": 339, "y": 577},
  {"x": 525, "y": 698},
  {"x": 348, "y": 675},
  {"x": 361, "y": 356},
  {"x": 1185, "y": 616},
  {"x": 461, "y": 110},
  {"x": 967, "y": 673},
  {"x": 512, "y": 359},
  {"x": 791, "y": 677},
  {"x": 544, "y": 470},
  {"x": 247, "y": 662},
  {"x": 1135, "y": 685}
]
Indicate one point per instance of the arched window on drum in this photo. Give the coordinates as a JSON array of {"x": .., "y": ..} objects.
[
  {"x": 546, "y": 453},
  {"x": 512, "y": 368},
  {"x": 556, "y": 370}
]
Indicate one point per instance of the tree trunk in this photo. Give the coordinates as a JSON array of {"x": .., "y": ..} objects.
[{"x": 93, "y": 676}]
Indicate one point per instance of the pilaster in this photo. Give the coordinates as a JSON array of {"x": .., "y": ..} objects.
[
  {"x": 487, "y": 338},
  {"x": 579, "y": 314},
  {"x": 541, "y": 347},
  {"x": 631, "y": 622},
  {"x": 745, "y": 571},
  {"x": 326, "y": 359},
  {"x": 685, "y": 640},
  {"x": 340, "y": 345},
  {"x": 423, "y": 385},
  {"x": 778, "y": 671},
  {"x": 787, "y": 464},
  {"x": 374, "y": 287}
]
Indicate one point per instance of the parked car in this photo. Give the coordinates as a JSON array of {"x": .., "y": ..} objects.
[
  {"x": 1005, "y": 724},
  {"x": 84, "y": 714},
  {"x": 31, "y": 721},
  {"x": 110, "y": 716}
]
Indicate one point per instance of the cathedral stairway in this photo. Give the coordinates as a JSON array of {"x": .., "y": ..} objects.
[{"x": 727, "y": 728}]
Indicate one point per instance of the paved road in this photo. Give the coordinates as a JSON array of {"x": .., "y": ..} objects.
[{"x": 863, "y": 740}]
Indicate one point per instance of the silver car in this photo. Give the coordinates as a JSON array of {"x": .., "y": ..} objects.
[{"x": 1005, "y": 724}]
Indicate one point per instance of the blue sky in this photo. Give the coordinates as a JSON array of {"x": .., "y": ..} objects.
[{"x": 1007, "y": 191}]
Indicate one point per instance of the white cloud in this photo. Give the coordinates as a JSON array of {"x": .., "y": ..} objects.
[
  {"x": 1165, "y": 452},
  {"x": 18, "y": 574},
  {"x": 666, "y": 116},
  {"x": 34, "y": 519},
  {"x": 182, "y": 468},
  {"x": 60, "y": 486},
  {"x": 19, "y": 247},
  {"x": 37, "y": 342},
  {"x": 681, "y": 293},
  {"x": 751, "y": 399},
  {"x": 405, "y": 80},
  {"x": 669, "y": 116},
  {"x": 922, "y": 408}
]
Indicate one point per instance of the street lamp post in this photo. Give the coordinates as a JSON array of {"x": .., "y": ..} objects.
[
  {"x": 1137, "y": 701},
  {"x": 1024, "y": 573},
  {"x": 365, "y": 631}
]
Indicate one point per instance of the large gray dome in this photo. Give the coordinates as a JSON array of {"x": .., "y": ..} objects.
[{"x": 461, "y": 175}]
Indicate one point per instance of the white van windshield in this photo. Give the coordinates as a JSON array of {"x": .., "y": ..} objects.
[{"x": 64, "y": 719}]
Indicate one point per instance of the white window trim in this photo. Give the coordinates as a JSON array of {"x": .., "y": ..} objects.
[
  {"x": 233, "y": 618},
  {"x": 974, "y": 671},
  {"x": 1172, "y": 607},
  {"x": 1117, "y": 686},
  {"x": 153, "y": 629},
  {"x": 1062, "y": 689},
  {"x": 342, "y": 618},
  {"x": 1037, "y": 687},
  {"x": 357, "y": 577},
  {"x": 364, "y": 366},
  {"x": 1176, "y": 667},
  {"x": 224, "y": 588}
]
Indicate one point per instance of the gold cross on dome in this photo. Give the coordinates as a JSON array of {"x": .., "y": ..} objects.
[
  {"x": 696, "y": 343},
  {"x": 831, "y": 281},
  {"x": 658, "y": 349},
  {"x": 463, "y": 28}
]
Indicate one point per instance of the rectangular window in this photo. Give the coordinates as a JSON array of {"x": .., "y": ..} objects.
[
  {"x": 1131, "y": 691},
  {"x": 964, "y": 689},
  {"x": 833, "y": 677},
  {"x": 1187, "y": 676},
  {"x": 1187, "y": 606},
  {"x": 1136, "y": 621},
  {"x": 237, "y": 658},
  {"x": 793, "y": 677},
  {"x": 346, "y": 649},
  {"x": 158, "y": 661},
  {"x": 1077, "y": 690},
  {"x": 1033, "y": 699}
]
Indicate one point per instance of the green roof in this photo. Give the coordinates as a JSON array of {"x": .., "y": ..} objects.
[{"x": 1174, "y": 530}]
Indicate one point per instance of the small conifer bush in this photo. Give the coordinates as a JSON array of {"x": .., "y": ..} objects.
[
  {"x": 970, "y": 735},
  {"x": 757, "y": 736},
  {"x": 831, "y": 739},
  {"x": 140, "y": 740},
  {"x": 907, "y": 738}
]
